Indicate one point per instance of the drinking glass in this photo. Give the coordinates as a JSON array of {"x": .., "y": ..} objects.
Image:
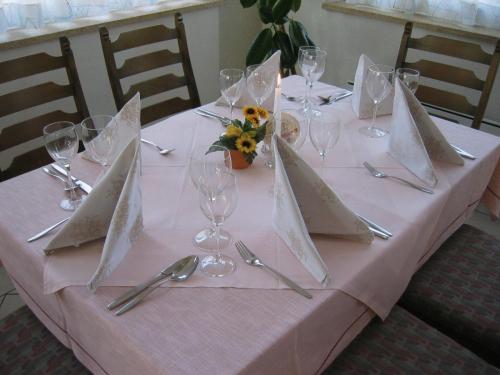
[
  {"x": 215, "y": 163},
  {"x": 231, "y": 85},
  {"x": 61, "y": 142},
  {"x": 261, "y": 82},
  {"x": 218, "y": 199},
  {"x": 98, "y": 136},
  {"x": 409, "y": 77},
  {"x": 324, "y": 132},
  {"x": 379, "y": 85},
  {"x": 312, "y": 61}
]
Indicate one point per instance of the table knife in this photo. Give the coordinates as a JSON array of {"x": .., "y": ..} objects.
[
  {"x": 374, "y": 225},
  {"x": 82, "y": 185},
  {"x": 136, "y": 290},
  {"x": 463, "y": 153},
  {"x": 47, "y": 230}
]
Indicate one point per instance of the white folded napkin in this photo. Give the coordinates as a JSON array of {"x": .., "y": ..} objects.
[
  {"x": 128, "y": 126},
  {"x": 362, "y": 104},
  {"x": 113, "y": 210},
  {"x": 415, "y": 139},
  {"x": 304, "y": 204},
  {"x": 273, "y": 64}
]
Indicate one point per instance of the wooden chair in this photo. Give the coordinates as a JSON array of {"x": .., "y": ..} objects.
[
  {"x": 18, "y": 105},
  {"x": 149, "y": 61},
  {"x": 439, "y": 98}
]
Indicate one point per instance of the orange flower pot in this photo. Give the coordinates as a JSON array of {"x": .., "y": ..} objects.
[{"x": 238, "y": 160}]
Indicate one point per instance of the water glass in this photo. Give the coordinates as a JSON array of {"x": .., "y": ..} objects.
[
  {"x": 99, "y": 137},
  {"x": 409, "y": 77},
  {"x": 232, "y": 83},
  {"x": 61, "y": 142},
  {"x": 312, "y": 62},
  {"x": 261, "y": 82},
  {"x": 324, "y": 132}
]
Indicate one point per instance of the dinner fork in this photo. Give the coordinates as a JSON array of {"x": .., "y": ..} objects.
[
  {"x": 252, "y": 260},
  {"x": 376, "y": 173},
  {"x": 225, "y": 121}
]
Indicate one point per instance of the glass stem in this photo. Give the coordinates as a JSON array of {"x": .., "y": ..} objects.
[
  {"x": 322, "y": 170},
  {"x": 307, "y": 97},
  {"x": 231, "y": 109},
  {"x": 71, "y": 185},
  {"x": 218, "y": 255},
  {"x": 375, "y": 109}
]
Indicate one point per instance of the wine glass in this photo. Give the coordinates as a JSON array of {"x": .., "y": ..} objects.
[
  {"x": 203, "y": 163},
  {"x": 98, "y": 136},
  {"x": 379, "y": 85},
  {"x": 260, "y": 82},
  {"x": 61, "y": 142},
  {"x": 324, "y": 131},
  {"x": 231, "y": 85},
  {"x": 312, "y": 61},
  {"x": 218, "y": 196},
  {"x": 409, "y": 77}
]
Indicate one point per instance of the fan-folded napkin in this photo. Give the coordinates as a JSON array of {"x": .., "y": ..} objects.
[
  {"x": 304, "y": 204},
  {"x": 415, "y": 138},
  {"x": 362, "y": 104},
  {"x": 113, "y": 209},
  {"x": 272, "y": 64}
]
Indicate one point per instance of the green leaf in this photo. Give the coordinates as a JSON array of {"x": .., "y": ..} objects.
[
  {"x": 247, "y": 3},
  {"x": 311, "y": 43},
  {"x": 282, "y": 42},
  {"x": 296, "y": 5},
  {"x": 281, "y": 9},
  {"x": 266, "y": 16},
  {"x": 297, "y": 34},
  {"x": 260, "y": 47}
]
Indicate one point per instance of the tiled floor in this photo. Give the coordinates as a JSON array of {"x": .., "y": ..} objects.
[{"x": 10, "y": 300}]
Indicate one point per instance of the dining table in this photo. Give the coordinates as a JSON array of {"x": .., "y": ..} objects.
[{"x": 248, "y": 322}]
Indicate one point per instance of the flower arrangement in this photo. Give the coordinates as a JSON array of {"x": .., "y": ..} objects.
[{"x": 244, "y": 136}]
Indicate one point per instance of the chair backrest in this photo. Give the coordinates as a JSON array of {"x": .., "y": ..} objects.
[
  {"x": 18, "y": 106},
  {"x": 149, "y": 61},
  {"x": 456, "y": 75}
]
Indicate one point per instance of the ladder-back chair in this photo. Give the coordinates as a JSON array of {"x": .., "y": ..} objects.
[
  {"x": 152, "y": 60},
  {"x": 17, "y": 106},
  {"x": 438, "y": 71}
]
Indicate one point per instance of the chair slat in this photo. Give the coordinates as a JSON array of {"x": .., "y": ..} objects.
[
  {"x": 29, "y": 65},
  {"x": 447, "y": 73},
  {"x": 141, "y": 37},
  {"x": 451, "y": 47},
  {"x": 32, "y": 128},
  {"x": 33, "y": 96},
  {"x": 156, "y": 86},
  {"x": 150, "y": 61},
  {"x": 445, "y": 99},
  {"x": 26, "y": 162},
  {"x": 164, "y": 109}
]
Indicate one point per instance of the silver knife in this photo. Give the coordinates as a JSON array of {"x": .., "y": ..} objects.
[
  {"x": 463, "y": 153},
  {"x": 213, "y": 114},
  {"x": 45, "y": 231},
  {"x": 374, "y": 225},
  {"x": 141, "y": 287},
  {"x": 337, "y": 98},
  {"x": 82, "y": 185}
]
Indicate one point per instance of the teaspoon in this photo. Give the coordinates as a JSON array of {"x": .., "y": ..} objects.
[{"x": 162, "y": 151}]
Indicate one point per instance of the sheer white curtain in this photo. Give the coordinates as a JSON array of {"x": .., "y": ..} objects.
[
  {"x": 468, "y": 12},
  {"x": 27, "y": 14}
]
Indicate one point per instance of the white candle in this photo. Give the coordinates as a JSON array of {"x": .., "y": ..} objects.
[{"x": 277, "y": 106}]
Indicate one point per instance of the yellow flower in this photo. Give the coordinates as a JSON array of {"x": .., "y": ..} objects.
[
  {"x": 254, "y": 120},
  {"x": 250, "y": 110},
  {"x": 246, "y": 144},
  {"x": 263, "y": 114},
  {"x": 233, "y": 131}
]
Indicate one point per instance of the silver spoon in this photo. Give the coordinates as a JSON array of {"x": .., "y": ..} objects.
[
  {"x": 293, "y": 98},
  {"x": 181, "y": 271},
  {"x": 163, "y": 151},
  {"x": 67, "y": 188},
  {"x": 376, "y": 173}
]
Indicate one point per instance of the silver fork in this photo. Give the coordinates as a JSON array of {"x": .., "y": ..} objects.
[{"x": 252, "y": 260}]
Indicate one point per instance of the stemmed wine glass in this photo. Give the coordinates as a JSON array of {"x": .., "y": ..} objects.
[
  {"x": 260, "y": 82},
  {"x": 61, "y": 142},
  {"x": 312, "y": 61},
  {"x": 203, "y": 163},
  {"x": 379, "y": 85},
  {"x": 231, "y": 85},
  {"x": 218, "y": 199},
  {"x": 324, "y": 131},
  {"x": 409, "y": 77},
  {"x": 98, "y": 136}
]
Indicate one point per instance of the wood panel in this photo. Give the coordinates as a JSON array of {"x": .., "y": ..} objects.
[
  {"x": 164, "y": 109},
  {"x": 156, "y": 86},
  {"x": 141, "y": 37},
  {"x": 149, "y": 61},
  {"x": 29, "y": 65},
  {"x": 26, "y": 162},
  {"x": 445, "y": 99}
]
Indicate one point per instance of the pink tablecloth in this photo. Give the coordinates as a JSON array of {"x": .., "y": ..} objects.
[{"x": 242, "y": 329}]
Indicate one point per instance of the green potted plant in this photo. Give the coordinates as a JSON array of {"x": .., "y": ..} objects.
[{"x": 275, "y": 14}]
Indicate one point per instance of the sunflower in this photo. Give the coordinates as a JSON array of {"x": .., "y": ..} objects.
[
  {"x": 250, "y": 110},
  {"x": 254, "y": 120},
  {"x": 233, "y": 131},
  {"x": 263, "y": 113},
  {"x": 246, "y": 144}
]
